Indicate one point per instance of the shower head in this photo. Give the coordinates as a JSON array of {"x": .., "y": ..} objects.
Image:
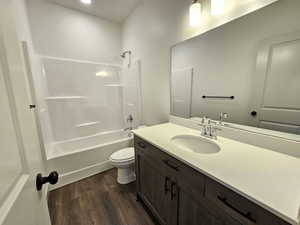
[{"x": 123, "y": 55}]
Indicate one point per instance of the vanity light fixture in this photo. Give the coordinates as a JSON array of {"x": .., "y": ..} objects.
[
  {"x": 87, "y": 2},
  {"x": 217, "y": 7},
  {"x": 195, "y": 13},
  {"x": 102, "y": 73}
]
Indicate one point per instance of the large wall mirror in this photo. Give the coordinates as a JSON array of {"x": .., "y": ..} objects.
[{"x": 248, "y": 68}]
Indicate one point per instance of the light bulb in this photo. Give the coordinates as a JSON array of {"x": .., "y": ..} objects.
[
  {"x": 102, "y": 73},
  {"x": 87, "y": 2},
  {"x": 217, "y": 7},
  {"x": 195, "y": 14}
]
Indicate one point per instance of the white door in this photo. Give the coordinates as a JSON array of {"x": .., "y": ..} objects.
[
  {"x": 181, "y": 92},
  {"x": 277, "y": 84},
  {"x": 20, "y": 154}
]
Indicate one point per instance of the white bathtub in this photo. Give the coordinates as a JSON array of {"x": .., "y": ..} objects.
[
  {"x": 82, "y": 157},
  {"x": 94, "y": 142}
]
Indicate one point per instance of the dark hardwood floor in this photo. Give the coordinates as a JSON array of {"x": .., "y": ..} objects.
[{"x": 97, "y": 200}]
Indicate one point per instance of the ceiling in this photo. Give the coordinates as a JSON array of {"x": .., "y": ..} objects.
[{"x": 114, "y": 10}]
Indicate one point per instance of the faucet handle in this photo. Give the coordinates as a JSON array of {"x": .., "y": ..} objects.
[
  {"x": 223, "y": 115},
  {"x": 214, "y": 130},
  {"x": 208, "y": 121},
  {"x": 129, "y": 119}
]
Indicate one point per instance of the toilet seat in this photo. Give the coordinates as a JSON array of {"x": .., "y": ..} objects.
[{"x": 123, "y": 155}]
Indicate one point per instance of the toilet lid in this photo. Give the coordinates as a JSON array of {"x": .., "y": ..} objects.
[{"x": 123, "y": 155}]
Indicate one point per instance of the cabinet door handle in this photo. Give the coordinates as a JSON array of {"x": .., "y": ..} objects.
[
  {"x": 167, "y": 181},
  {"x": 247, "y": 215},
  {"x": 171, "y": 165},
  {"x": 173, "y": 190},
  {"x": 142, "y": 145}
]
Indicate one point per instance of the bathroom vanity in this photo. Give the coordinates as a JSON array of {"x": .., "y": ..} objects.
[{"x": 182, "y": 187}]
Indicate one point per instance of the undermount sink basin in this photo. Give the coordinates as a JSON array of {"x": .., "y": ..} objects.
[{"x": 195, "y": 144}]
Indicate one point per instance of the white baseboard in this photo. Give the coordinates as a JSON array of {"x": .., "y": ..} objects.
[{"x": 76, "y": 175}]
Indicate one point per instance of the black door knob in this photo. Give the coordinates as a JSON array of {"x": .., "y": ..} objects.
[
  {"x": 253, "y": 113},
  {"x": 40, "y": 180}
]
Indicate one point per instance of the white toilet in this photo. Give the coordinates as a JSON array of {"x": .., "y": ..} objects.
[{"x": 124, "y": 161}]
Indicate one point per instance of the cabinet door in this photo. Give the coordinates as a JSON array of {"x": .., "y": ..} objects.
[
  {"x": 153, "y": 187},
  {"x": 145, "y": 178},
  {"x": 194, "y": 211},
  {"x": 161, "y": 200}
]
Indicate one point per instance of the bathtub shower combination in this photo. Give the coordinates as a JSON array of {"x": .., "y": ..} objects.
[{"x": 83, "y": 111}]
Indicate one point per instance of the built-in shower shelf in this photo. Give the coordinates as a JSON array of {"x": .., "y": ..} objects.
[
  {"x": 87, "y": 124},
  {"x": 65, "y": 97},
  {"x": 114, "y": 85}
]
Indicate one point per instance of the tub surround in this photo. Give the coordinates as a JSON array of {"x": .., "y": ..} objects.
[{"x": 267, "y": 178}]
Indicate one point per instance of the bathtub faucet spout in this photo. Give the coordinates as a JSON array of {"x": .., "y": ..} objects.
[
  {"x": 130, "y": 133},
  {"x": 128, "y": 128}
]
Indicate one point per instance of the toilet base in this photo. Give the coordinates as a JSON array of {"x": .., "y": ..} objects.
[{"x": 126, "y": 175}]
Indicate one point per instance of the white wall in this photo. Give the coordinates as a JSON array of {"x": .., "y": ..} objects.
[
  {"x": 61, "y": 32},
  {"x": 151, "y": 30}
]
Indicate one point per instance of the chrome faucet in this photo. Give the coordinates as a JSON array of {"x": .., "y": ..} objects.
[
  {"x": 130, "y": 128},
  {"x": 222, "y": 117},
  {"x": 209, "y": 128},
  {"x": 127, "y": 128},
  {"x": 130, "y": 133},
  {"x": 129, "y": 120}
]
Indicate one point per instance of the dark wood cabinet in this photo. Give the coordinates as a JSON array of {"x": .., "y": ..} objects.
[
  {"x": 193, "y": 209},
  {"x": 176, "y": 194},
  {"x": 192, "y": 212},
  {"x": 153, "y": 187}
]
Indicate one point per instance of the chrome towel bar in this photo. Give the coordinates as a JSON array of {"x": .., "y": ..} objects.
[{"x": 218, "y": 97}]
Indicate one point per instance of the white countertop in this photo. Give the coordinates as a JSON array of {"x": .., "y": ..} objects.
[{"x": 268, "y": 178}]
